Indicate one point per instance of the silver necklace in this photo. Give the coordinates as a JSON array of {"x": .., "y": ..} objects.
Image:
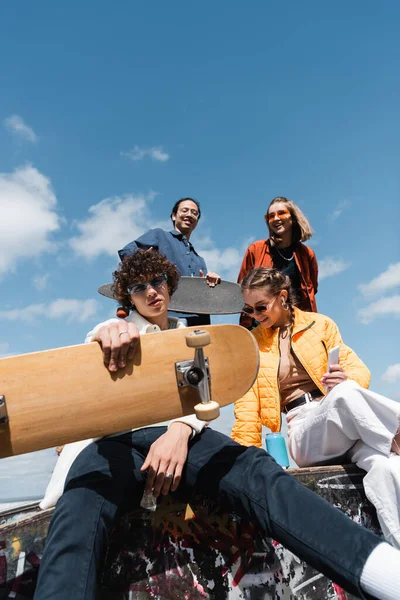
[
  {"x": 283, "y": 332},
  {"x": 284, "y": 257}
]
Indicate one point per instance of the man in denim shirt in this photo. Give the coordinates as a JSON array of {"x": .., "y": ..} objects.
[{"x": 177, "y": 248}]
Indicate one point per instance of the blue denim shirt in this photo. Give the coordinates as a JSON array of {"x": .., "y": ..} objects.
[{"x": 176, "y": 248}]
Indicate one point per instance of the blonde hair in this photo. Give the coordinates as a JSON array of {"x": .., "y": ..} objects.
[
  {"x": 301, "y": 229},
  {"x": 274, "y": 282}
]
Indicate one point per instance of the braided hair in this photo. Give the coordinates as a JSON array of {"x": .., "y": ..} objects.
[{"x": 274, "y": 282}]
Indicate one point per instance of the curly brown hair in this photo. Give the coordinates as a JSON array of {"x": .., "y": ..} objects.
[{"x": 143, "y": 265}]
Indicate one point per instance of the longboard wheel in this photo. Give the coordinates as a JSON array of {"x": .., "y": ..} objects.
[
  {"x": 198, "y": 340},
  {"x": 207, "y": 411}
]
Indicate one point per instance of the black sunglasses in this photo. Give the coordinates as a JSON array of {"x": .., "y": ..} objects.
[
  {"x": 262, "y": 308},
  {"x": 141, "y": 287}
]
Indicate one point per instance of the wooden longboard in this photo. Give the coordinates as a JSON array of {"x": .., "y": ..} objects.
[
  {"x": 195, "y": 296},
  {"x": 67, "y": 394}
]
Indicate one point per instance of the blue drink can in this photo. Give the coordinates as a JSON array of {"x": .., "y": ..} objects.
[{"x": 276, "y": 447}]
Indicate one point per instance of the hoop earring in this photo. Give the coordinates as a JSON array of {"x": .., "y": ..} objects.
[{"x": 285, "y": 305}]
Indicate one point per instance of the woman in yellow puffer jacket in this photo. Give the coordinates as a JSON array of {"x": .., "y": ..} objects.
[{"x": 346, "y": 419}]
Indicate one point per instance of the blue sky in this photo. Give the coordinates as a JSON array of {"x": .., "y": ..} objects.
[{"x": 108, "y": 114}]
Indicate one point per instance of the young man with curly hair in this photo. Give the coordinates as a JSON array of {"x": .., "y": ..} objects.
[{"x": 95, "y": 481}]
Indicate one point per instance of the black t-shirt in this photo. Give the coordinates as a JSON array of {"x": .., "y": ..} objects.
[{"x": 283, "y": 260}]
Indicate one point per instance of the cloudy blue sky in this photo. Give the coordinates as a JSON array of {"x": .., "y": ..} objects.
[{"x": 109, "y": 113}]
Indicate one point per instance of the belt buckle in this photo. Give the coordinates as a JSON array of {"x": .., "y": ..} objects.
[{"x": 308, "y": 397}]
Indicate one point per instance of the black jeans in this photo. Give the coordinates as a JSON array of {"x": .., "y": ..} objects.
[{"x": 105, "y": 481}]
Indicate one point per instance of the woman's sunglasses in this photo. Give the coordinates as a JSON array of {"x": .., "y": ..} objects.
[
  {"x": 141, "y": 287},
  {"x": 259, "y": 310},
  {"x": 281, "y": 214}
]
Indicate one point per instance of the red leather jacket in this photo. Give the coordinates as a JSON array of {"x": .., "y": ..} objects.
[{"x": 258, "y": 254}]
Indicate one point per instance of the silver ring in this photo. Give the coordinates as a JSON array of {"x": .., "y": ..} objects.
[
  {"x": 122, "y": 332},
  {"x": 169, "y": 475}
]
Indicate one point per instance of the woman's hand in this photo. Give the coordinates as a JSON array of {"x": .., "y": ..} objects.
[
  {"x": 118, "y": 340},
  {"x": 212, "y": 279},
  {"x": 334, "y": 376},
  {"x": 166, "y": 459}
]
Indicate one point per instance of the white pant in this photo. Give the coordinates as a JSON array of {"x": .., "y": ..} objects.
[{"x": 361, "y": 423}]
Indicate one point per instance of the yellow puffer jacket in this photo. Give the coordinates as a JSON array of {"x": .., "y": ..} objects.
[{"x": 313, "y": 335}]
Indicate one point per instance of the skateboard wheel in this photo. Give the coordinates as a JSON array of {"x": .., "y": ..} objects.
[
  {"x": 198, "y": 339},
  {"x": 207, "y": 411}
]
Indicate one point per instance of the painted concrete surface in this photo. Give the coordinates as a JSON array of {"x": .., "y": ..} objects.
[{"x": 212, "y": 556}]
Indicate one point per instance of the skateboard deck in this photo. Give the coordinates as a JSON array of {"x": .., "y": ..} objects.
[
  {"x": 195, "y": 296},
  {"x": 59, "y": 396}
]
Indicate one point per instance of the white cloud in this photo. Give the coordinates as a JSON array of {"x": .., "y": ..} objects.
[
  {"x": 383, "y": 307},
  {"x": 18, "y": 127},
  {"x": 40, "y": 282},
  {"x": 339, "y": 210},
  {"x": 67, "y": 309},
  {"x": 224, "y": 261},
  {"x": 4, "y": 347},
  {"x": 28, "y": 216},
  {"x": 112, "y": 223},
  {"x": 392, "y": 373},
  {"x": 328, "y": 267},
  {"x": 387, "y": 280},
  {"x": 155, "y": 153}
]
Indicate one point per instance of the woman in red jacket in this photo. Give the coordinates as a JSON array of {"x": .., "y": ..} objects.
[{"x": 288, "y": 227}]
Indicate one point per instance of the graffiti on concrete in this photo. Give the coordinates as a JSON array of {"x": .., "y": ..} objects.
[{"x": 212, "y": 556}]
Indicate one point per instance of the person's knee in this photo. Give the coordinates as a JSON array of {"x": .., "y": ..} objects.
[
  {"x": 256, "y": 467},
  {"x": 103, "y": 465},
  {"x": 86, "y": 461},
  {"x": 344, "y": 395},
  {"x": 385, "y": 468}
]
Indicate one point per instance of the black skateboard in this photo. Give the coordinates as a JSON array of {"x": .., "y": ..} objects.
[{"x": 195, "y": 296}]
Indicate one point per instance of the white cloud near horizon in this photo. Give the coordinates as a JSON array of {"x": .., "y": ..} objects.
[
  {"x": 113, "y": 223},
  {"x": 68, "y": 309},
  {"x": 4, "y": 349},
  {"x": 28, "y": 216},
  {"x": 19, "y": 128},
  {"x": 340, "y": 208},
  {"x": 385, "y": 281},
  {"x": 392, "y": 373},
  {"x": 156, "y": 153},
  {"x": 389, "y": 306},
  {"x": 328, "y": 267}
]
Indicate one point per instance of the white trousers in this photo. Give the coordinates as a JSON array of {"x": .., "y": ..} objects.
[{"x": 361, "y": 423}]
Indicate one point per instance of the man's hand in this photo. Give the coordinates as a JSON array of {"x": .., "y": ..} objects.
[
  {"x": 334, "y": 376},
  {"x": 118, "y": 340},
  {"x": 212, "y": 279},
  {"x": 166, "y": 459}
]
